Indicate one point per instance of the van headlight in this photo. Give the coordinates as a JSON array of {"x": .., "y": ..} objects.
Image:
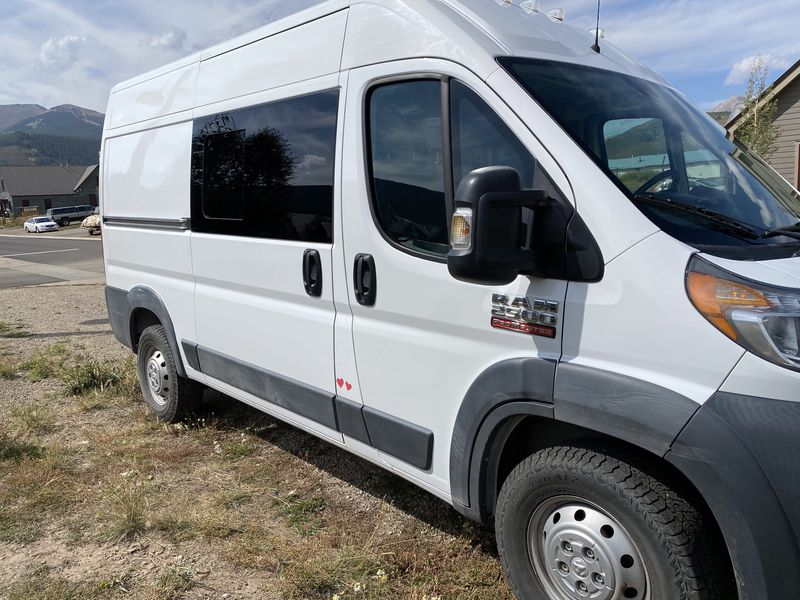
[{"x": 761, "y": 318}]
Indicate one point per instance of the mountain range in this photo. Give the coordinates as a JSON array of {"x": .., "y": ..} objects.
[
  {"x": 65, "y": 120},
  {"x": 33, "y": 134}
]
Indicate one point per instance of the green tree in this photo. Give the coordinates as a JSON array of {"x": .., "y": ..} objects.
[{"x": 758, "y": 130}]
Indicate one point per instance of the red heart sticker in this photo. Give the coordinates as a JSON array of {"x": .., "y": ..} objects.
[
  {"x": 340, "y": 382},
  {"x": 348, "y": 385}
]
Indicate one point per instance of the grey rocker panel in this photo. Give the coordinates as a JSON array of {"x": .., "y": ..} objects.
[
  {"x": 721, "y": 451},
  {"x": 121, "y": 306},
  {"x": 350, "y": 417},
  {"x": 305, "y": 400},
  {"x": 408, "y": 442},
  {"x": 401, "y": 439},
  {"x": 641, "y": 413}
]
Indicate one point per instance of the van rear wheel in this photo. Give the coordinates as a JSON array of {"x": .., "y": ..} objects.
[
  {"x": 575, "y": 524},
  {"x": 167, "y": 394}
]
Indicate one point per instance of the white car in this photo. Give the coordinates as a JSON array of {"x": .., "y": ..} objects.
[{"x": 40, "y": 224}]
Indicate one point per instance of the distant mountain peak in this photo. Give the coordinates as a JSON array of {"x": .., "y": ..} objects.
[
  {"x": 728, "y": 105},
  {"x": 13, "y": 113},
  {"x": 63, "y": 120}
]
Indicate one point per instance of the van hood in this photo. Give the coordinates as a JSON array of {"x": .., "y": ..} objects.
[{"x": 784, "y": 272}]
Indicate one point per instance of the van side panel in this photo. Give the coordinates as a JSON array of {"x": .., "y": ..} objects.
[
  {"x": 146, "y": 176},
  {"x": 148, "y": 173},
  {"x": 302, "y": 53},
  {"x": 165, "y": 94}
]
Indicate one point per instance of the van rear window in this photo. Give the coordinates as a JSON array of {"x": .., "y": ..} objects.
[{"x": 267, "y": 171}]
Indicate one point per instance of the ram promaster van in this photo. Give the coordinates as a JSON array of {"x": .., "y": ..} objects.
[{"x": 456, "y": 240}]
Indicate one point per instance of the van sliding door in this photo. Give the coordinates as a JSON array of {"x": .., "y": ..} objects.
[{"x": 262, "y": 223}]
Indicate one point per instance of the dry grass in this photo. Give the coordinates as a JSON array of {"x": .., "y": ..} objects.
[
  {"x": 258, "y": 500},
  {"x": 109, "y": 378},
  {"x": 9, "y": 368},
  {"x": 127, "y": 510},
  {"x": 13, "y": 331},
  {"x": 47, "y": 363},
  {"x": 33, "y": 418}
]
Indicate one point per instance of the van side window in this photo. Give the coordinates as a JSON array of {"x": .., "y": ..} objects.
[
  {"x": 267, "y": 171},
  {"x": 407, "y": 164},
  {"x": 223, "y": 176},
  {"x": 415, "y": 171},
  {"x": 481, "y": 139}
]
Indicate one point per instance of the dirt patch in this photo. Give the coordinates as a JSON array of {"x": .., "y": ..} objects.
[{"x": 98, "y": 500}]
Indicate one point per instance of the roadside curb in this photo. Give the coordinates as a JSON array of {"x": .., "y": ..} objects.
[{"x": 32, "y": 236}]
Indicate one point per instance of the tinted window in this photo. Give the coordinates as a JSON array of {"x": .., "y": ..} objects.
[
  {"x": 407, "y": 152},
  {"x": 481, "y": 139},
  {"x": 267, "y": 171},
  {"x": 223, "y": 176}
]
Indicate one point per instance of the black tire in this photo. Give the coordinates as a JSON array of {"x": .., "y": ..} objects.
[
  {"x": 64, "y": 222},
  {"x": 681, "y": 556},
  {"x": 176, "y": 395}
]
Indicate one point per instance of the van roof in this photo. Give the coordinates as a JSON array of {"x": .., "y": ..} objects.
[{"x": 501, "y": 27}]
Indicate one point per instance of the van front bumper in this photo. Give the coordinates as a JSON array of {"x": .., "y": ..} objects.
[{"x": 743, "y": 454}]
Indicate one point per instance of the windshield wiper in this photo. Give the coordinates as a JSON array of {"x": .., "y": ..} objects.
[
  {"x": 792, "y": 231},
  {"x": 729, "y": 223}
]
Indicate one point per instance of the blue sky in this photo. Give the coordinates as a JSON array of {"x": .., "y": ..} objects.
[{"x": 73, "y": 51}]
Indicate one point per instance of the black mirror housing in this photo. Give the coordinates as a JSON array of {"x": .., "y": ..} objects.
[{"x": 518, "y": 231}]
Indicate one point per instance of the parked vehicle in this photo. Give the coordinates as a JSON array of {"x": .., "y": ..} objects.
[
  {"x": 455, "y": 240},
  {"x": 67, "y": 214},
  {"x": 92, "y": 224},
  {"x": 40, "y": 225}
]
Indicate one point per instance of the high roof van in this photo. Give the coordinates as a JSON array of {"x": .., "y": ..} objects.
[{"x": 524, "y": 273}]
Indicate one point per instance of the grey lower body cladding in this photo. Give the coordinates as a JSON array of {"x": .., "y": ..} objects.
[
  {"x": 743, "y": 454},
  {"x": 401, "y": 439}
]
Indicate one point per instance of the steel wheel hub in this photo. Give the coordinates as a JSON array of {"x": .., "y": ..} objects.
[
  {"x": 581, "y": 553},
  {"x": 157, "y": 378}
]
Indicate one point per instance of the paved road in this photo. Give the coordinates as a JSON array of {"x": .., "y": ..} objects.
[{"x": 44, "y": 259}]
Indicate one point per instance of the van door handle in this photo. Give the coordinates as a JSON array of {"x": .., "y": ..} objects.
[
  {"x": 364, "y": 280},
  {"x": 312, "y": 273}
]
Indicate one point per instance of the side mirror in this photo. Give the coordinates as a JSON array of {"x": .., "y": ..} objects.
[{"x": 490, "y": 237}]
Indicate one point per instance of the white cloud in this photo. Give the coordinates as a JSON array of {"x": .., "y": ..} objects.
[
  {"x": 311, "y": 160},
  {"x": 83, "y": 51},
  {"x": 62, "y": 52},
  {"x": 174, "y": 39},
  {"x": 740, "y": 72}
]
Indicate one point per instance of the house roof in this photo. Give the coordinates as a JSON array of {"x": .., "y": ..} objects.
[
  {"x": 34, "y": 180},
  {"x": 86, "y": 174},
  {"x": 776, "y": 88}
]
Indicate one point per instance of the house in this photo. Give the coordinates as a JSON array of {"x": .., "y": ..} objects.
[
  {"x": 786, "y": 89},
  {"x": 32, "y": 189}
]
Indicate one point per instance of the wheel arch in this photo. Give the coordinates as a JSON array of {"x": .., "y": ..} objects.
[
  {"x": 133, "y": 311},
  {"x": 507, "y": 415}
]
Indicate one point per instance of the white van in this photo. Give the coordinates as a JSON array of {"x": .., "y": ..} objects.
[{"x": 452, "y": 238}]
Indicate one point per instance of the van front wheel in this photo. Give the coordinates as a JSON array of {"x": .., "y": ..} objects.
[
  {"x": 574, "y": 524},
  {"x": 168, "y": 395}
]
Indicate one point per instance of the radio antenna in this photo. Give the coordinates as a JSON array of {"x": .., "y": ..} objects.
[{"x": 596, "y": 46}]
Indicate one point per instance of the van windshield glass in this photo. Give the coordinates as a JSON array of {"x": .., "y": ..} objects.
[{"x": 673, "y": 161}]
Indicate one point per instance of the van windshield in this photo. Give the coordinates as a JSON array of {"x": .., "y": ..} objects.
[{"x": 673, "y": 161}]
